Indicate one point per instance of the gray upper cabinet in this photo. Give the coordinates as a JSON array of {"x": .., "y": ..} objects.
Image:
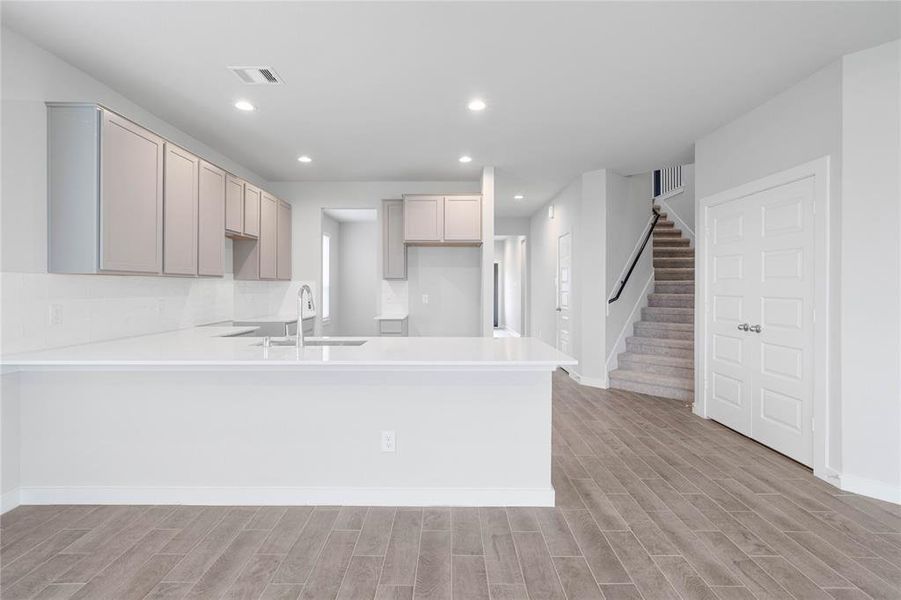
[
  {"x": 462, "y": 218},
  {"x": 394, "y": 257},
  {"x": 182, "y": 173},
  {"x": 122, "y": 200},
  {"x": 234, "y": 206},
  {"x": 105, "y": 193},
  {"x": 423, "y": 218},
  {"x": 252, "y": 198},
  {"x": 283, "y": 255},
  {"x": 451, "y": 220},
  {"x": 268, "y": 242},
  {"x": 211, "y": 221}
]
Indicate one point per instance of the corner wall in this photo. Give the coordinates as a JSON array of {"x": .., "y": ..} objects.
[
  {"x": 848, "y": 111},
  {"x": 871, "y": 272}
]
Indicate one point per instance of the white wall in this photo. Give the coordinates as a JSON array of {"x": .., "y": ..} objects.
[
  {"x": 511, "y": 226},
  {"x": 628, "y": 214},
  {"x": 93, "y": 307},
  {"x": 543, "y": 235},
  {"x": 513, "y": 261},
  {"x": 10, "y": 440},
  {"x": 579, "y": 209},
  {"x": 501, "y": 283},
  {"x": 358, "y": 276},
  {"x": 871, "y": 271},
  {"x": 486, "y": 284},
  {"x": 332, "y": 228},
  {"x": 451, "y": 278}
]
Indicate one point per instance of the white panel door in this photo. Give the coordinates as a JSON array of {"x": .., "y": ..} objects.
[
  {"x": 782, "y": 399},
  {"x": 759, "y": 317},
  {"x": 730, "y": 289},
  {"x": 564, "y": 292}
]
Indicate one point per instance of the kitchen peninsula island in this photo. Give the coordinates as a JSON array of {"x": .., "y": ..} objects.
[{"x": 204, "y": 416}]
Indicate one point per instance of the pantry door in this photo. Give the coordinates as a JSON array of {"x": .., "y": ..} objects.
[
  {"x": 759, "y": 318},
  {"x": 732, "y": 250},
  {"x": 782, "y": 415}
]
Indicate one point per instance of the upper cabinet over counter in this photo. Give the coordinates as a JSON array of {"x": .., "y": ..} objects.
[
  {"x": 442, "y": 220},
  {"x": 121, "y": 199}
]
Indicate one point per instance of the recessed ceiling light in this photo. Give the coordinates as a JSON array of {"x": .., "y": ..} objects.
[
  {"x": 244, "y": 105},
  {"x": 465, "y": 159},
  {"x": 518, "y": 197},
  {"x": 305, "y": 159},
  {"x": 477, "y": 104}
]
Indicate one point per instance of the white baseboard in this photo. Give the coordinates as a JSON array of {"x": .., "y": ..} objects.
[
  {"x": 298, "y": 496},
  {"x": 596, "y": 382},
  {"x": 9, "y": 500},
  {"x": 870, "y": 487}
]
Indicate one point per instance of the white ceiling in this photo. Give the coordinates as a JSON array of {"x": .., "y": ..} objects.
[
  {"x": 378, "y": 91},
  {"x": 351, "y": 215}
]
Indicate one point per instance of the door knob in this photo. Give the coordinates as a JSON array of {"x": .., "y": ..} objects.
[
  {"x": 755, "y": 328},
  {"x": 743, "y": 327},
  {"x": 559, "y": 309}
]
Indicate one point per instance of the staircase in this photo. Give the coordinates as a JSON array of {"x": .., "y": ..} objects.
[{"x": 660, "y": 356}]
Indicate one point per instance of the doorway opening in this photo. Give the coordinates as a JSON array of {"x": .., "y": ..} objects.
[
  {"x": 510, "y": 291},
  {"x": 349, "y": 277}
]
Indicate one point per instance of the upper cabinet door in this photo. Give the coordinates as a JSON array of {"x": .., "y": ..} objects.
[
  {"x": 462, "y": 218},
  {"x": 283, "y": 261},
  {"x": 180, "y": 212},
  {"x": 268, "y": 244},
  {"x": 423, "y": 218},
  {"x": 252, "y": 197},
  {"x": 211, "y": 221},
  {"x": 131, "y": 197},
  {"x": 394, "y": 258},
  {"x": 234, "y": 205}
]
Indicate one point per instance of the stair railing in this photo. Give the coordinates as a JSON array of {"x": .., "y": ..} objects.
[
  {"x": 667, "y": 181},
  {"x": 625, "y": 280}
]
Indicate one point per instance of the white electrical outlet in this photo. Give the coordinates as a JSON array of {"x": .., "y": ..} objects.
[
  {"x": 56, "y": 314},
  {"x": 425, "y": 298},
  {"x": 389, "y": 442}
]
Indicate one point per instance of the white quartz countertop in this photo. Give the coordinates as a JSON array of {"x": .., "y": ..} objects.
[{"x": 209, "y": 346}]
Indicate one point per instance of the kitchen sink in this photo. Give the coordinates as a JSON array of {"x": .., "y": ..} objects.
[{"x": 290, "y": 342}]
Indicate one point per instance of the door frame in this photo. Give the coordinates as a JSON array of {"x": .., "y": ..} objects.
[
  {"x": 557, "y": 308},
  {"x": 819, "y": 170}
]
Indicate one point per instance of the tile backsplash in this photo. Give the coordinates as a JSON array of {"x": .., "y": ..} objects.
[{"x": 44, "y": 310}]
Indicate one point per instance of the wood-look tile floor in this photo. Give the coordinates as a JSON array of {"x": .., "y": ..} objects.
[{"x": 652, "y": 502}]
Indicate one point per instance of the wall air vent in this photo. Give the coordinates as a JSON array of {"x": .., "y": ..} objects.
[{"x": 257, "y": 75}]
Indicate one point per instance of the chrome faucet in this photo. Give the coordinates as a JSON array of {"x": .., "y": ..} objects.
[{"x": 303, "y": 288}]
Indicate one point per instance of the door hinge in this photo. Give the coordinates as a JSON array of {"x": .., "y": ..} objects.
[
  {"x": 812, "y": 424},
  {"x": 814, "y": 311}
]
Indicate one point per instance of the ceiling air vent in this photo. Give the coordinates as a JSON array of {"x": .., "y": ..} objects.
[{"x": 257, "y": 75}]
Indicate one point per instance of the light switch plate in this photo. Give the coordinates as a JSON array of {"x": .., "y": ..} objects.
[
  {"x": 425, "y": 298},
  {"x": 389, "y": 441}
]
